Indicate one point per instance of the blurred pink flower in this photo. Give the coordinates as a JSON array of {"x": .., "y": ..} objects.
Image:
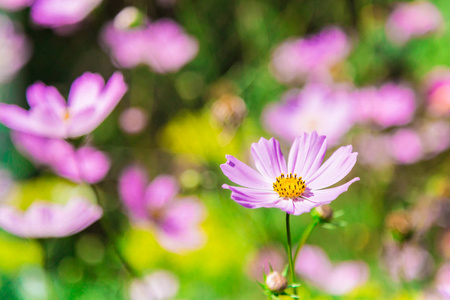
[
  {"x": 390, "y": 105},
  {"x": 435, "y": 137},
  {"x": 15, "y": 49},
  {"x": 85, "y": 164},
  {"x": 414, "y": 19},
  {"x": 14, "y": 5},
  {"x": 407, "y": 262},
  {"x": 442, "y": 281},
  {"x": 314, "y": 266},
  {"x": 265, "y": 258},
  {"x": 45, "y": 219},
  {"x": 133, "y": 120},
  {"x": 405, "y": 146},
  {"x": 90, "y": 102},
  {"x": 294, "y": 187},
  {"x": 60, "y": 13},
  {"x": 374, "y": 150},
  {"x": 327, "y": 110},
  {"x": 311, "y": 57},
  {"x": 438, "y": 92},
  {"x": 159, "y": 285},
  {"x": 162, "y": 45},
  {"x": 155, "y": 205}
]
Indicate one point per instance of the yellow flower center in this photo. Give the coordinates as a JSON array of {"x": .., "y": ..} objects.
[
  {"x": 66, "y": 115},
  {"x": 289, "y": 186}
]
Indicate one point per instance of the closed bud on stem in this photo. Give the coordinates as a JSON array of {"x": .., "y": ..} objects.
[
  {"x": 276, "y": 282},
  {"x": 399, "y": 223},
  {"x": 128, "y": 18},
  {"x": 324, "y": 213}
]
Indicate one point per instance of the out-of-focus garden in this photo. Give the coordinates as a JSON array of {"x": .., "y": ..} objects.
[{"x": 117, "y": 193}]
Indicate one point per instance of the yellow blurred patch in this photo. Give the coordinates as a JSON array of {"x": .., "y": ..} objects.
[{"x": 16, "y": 253}]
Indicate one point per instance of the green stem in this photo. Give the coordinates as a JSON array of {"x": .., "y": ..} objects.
[
  {"x": 111, "y": 238},
  {"x": 305, "y": 236},
  {"x": 289, "y": 251}
]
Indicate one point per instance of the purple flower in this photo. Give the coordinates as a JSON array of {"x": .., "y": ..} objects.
[
  {"x": 162, "y": 45},
  {"x": 61, "y": 13},
  {"x": 45, "y": 219},
  {"x": 159, "y": 285},
  {"x": 85, "y": 164},
  {"x": 390, "y": 105},
  {"x": 90, "y": 102},
  {"x": 175, "y": 221},
  {"x": 296, "y": 186},
  {"x": 405, "y": 146},
  {"x": 14, "y": 5},
  {"x": 314, "y": 266},
  {"x": 414, "y": 19},
  {"x": 407, "y": 262},
  {"x": 327, "y": 110},
  {"x": 311, "y": 57},
  {"x": 438, "y": 92},
  {"x": 15, "y": 48}
]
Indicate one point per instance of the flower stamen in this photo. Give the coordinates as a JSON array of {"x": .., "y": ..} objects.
[{"x": 289, "y": 186}]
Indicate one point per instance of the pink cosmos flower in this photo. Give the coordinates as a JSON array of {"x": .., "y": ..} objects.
[
  {"x": 162, "y": 45},
  {"x": 15, "y": 49},
  {"x": 414, "y": 19},
  {"x": 327, "y": 110},
  {"x": 442, "y": 281},
  {"x": 407, "y": 262},
  {"x": 14, "y": 5},
  {"x": 389, "y": 105},
  {"x": 85, "y": 164},
  {"x": 311, "y": 57},
  {"x": 296, "y": 186},
  {"x": 405, "y": 146},
  {"x": 435, "y": 137},
  {"x": 314, "y": 266},
  {"x": 58, "y": 13},
  {"x": 90, "y": 102},
  {"x": 45, "y": 219},
  {"x": 159, "y": 285},
  {"x": 438, "y": 92},
  {"x": 175, "y": 221}
]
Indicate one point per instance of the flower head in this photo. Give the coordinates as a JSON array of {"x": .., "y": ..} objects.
[
  {"x": 162, "y": 45},
  {"x": 438, "y": 92},
  {"x": 313, "y": 265},
  {"x": 85, "y": 164},
  {"x": 316, "y": 107},
  {"x": 159, "y": 285},
  {"x": 90, "y": 102},
  {"x": 45, "y": 219},
  {"x": 15, "y": 49},
  {"x": 58, "y": 13},
  {"x": 296, "y": 186},
  {"x": 414, "y": 19},
  {"x": 311, "y": 57},
  {"x": 154, "y": 205},
  {"x": 13, "y": 5}
]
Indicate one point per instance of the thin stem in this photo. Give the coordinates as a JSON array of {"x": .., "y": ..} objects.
[
  {"x": 289, "y": 251},
  {"x": 111, "y": 237},
  {"x": 305, "y": 236}
]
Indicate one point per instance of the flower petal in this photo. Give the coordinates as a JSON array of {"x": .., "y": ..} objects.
[
  {"x": 160, "y": 191},
  {"x": 334, "y": 169},
  {"x": 325, "y": 196},
  {"x": 251, "y": 198},
  {"x": 306, "y": 154},
  {"x": 269, "y": 159},
  {"x": 132, "y": 184},
  {"x": 242, "y": 174},
  {"x": 41, "y": 94},
  {"x": 85, "y": 91}
]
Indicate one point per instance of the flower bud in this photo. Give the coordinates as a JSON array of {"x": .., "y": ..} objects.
[
  {"x": 399, "y": 223},
  {"x": 128, "y": 17},
  {"x": 276, "y": 282},
  {"x": 324, "y": 213}
]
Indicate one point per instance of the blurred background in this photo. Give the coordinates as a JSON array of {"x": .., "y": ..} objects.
[{"x": 373, "y": 74}]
